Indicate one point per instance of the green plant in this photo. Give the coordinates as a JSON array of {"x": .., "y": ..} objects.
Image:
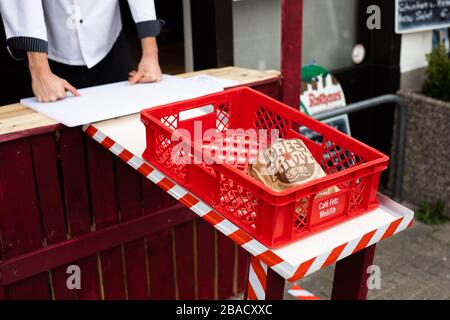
[
  {"x": 431, "y": 213},
  {"x": 437, "y": 81}
]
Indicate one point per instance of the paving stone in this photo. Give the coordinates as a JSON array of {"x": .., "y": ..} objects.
[
  {"x": 435, "y": 291},
  {"x": 440, "y": 271},
  {"x": 405, "y": 289},
  {"x": 442, "y": 234},
  {"x": 422, "y": 276}
]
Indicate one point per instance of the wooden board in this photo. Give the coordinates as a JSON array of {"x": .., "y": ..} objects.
[
  {"x": 205, "y": 260},
  {"x": 76, "y": 198},
  {"x": 242, "y": 269},
  {"x": 129, "y": 193},
  {"x": 16, "y": 117},
  {"x": 20, "y": 231},
  {"x": 225, "y": 263},
  {"x": 52, "y": 208},
  {"x": 161, "y": 266},
  {"x": 185, "y": 261},
  {"x": 241, "y": 75},
  {"x": 104, "y": 208}
]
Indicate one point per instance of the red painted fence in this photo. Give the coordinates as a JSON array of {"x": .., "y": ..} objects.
[{"x": 65, "y": 200}]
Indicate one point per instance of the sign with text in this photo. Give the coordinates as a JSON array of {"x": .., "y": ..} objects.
[
  {"x": 329, "y": 207},
  {"x": 420, "y": 15},
  {"x": 320, "y": 91}
]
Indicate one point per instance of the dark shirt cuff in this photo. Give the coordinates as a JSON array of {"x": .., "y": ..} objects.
[
  {"x": 149, "y": 28},
  {"x": 19, "y": 46}
]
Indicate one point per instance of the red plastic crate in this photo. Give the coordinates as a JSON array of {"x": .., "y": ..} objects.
[{"x": 274, "y": 218}]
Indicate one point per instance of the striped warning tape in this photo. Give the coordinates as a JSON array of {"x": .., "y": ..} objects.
[
  {"x": 349, "y": 248},
  {"x": 260, "y": 252},
  {"x": 257, "y": 280},
  {"x": 301, "y": 294}
]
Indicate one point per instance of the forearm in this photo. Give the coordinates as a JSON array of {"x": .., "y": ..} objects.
[
  {"x": 149, "y": 47},
  {"x": 38, "y": 63},
  {"x": 148, "y": 68},
  {"x": 47, "y": 87}
]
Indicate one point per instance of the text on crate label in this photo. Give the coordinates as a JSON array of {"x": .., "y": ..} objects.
[{"x": 328, "y": 207}]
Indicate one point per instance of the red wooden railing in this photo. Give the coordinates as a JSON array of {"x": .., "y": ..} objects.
[{"x": 65, "y": 200}]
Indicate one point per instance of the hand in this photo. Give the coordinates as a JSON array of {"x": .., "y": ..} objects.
[
  {"x": 47, "y": 87},
  {"x": 148, "y": 69}
]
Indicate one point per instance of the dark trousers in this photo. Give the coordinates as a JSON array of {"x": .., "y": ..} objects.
[{"x": 114, "y": 67}]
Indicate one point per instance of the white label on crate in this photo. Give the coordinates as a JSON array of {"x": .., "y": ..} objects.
[{"x": 328, "y": 207}]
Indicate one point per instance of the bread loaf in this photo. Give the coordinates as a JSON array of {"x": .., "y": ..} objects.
[{"x": 286, "y": 163}]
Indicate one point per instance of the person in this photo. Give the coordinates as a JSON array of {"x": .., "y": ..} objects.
[{"x": 72, "y": 44}]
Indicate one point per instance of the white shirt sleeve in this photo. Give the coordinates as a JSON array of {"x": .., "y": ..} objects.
[
  {"x": 24, "y": 25},
  {"x": 144, "y": 15},
  {"x": 142, "y": 10}
]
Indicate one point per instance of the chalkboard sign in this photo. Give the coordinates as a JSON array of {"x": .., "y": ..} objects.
[{"x": 420, "y": 15}]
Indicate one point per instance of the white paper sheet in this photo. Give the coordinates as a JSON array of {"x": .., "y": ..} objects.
[{"x": 119, "y": 99}]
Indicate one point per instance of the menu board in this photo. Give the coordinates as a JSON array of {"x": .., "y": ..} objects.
[{"x": 420, "y": 15}]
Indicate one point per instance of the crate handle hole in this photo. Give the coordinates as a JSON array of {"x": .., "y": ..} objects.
[{"x": 196, "y": 112}]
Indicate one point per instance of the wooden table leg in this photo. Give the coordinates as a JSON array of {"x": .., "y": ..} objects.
[
  {"x": 263, "y": 282},
  {"x": 275, "y": 286},
  {"x": 350, "y": 276}
]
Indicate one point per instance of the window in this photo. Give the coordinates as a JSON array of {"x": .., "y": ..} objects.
[{"x": 329, "y": 33}]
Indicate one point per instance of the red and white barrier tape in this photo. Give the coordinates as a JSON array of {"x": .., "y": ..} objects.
[
  {"x": 302, "y": 294},
  {"x": 257, "y": 280}
]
